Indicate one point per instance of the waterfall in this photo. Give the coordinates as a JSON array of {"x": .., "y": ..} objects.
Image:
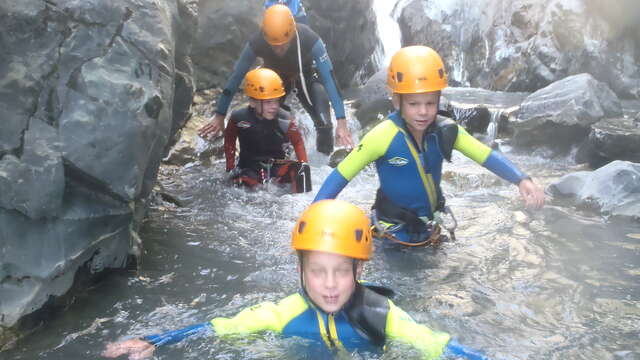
[
  {"x": 388, "y": 32},
  {"x": 494, "y": 124}
]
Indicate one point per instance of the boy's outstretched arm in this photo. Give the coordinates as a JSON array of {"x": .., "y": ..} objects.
[
  {"x": 455, "y": 349},
  {"x": 144, "y": 347}
]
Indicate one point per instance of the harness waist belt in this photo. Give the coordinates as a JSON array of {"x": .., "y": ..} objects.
[{"x": 391, "y": 212}]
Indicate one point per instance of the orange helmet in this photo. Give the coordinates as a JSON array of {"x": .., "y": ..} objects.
[
  {"x": 416, "y": 69},
  {"x": 334, "y": 226},
  {"x": 263, "y": 84},
  {"x": 278, "y": 25}
]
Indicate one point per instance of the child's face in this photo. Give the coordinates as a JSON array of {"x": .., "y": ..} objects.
[
  {"x": 328, "y": 279},
  {"x": 267, "y": 109},
  {"x": 418, "y": 110}
]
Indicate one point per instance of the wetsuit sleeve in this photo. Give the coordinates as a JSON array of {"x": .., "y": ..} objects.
[
  {"x": 240, "y": 69},
  {"x": 325, "y": 68},
  {"x": 492, "y": 160},
  {"x": 373, "y": 146},
  {"x": 230, "y": 136},
  {"x": 293, "y": 132},
  {"x": 456, "y": 350},
  {"x": 174, "y": 336},
  {"x": 401, "y": 327},
  {"x": 266, "y": 316}
]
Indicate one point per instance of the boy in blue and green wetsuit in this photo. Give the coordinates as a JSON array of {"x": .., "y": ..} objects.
[
  {"x": 408, "y": 149},
  {"x": 333, "y": 309}
]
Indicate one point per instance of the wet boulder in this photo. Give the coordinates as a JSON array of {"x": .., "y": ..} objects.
[
  {"x": 372, "y": 100},
  {"x": 561, "y": 114},
  {"x": 91, "y": 94},
  {"x": 348, "y": 28},
  {"x": 613, "y": 190},
  {"x": 223, "y": 30},
  {"x": 611, "y": 139},
  {"x": 524, "y": 45}
]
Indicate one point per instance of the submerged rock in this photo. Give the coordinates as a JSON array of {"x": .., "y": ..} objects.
[
  {"x": 611, "y": 139},
  {"x": 613, "y": 190}
]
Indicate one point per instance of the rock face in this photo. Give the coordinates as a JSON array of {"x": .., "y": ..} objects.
[
  {"x": 372, "y": 100},
  {"x": 611, "y": 139},
  {"x": 90, "y": 94},
  {"x": 223, "y": 29},
  {"x": 347, "y": 28},
  {"x": 613, "y": 190},
  {"x": 524, "y": 45},
  {"x": 561, "y": 114}
]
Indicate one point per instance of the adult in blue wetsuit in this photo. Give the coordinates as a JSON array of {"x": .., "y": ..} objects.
[
  {"x": 296, "y": 7},
  {"x": 408, "y": 149},
  {"x": 298, "y": 55},
  {"x": 333, "y": 310}
]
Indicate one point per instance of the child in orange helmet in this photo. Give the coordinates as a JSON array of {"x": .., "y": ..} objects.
[{"x": 333, "y": 309}]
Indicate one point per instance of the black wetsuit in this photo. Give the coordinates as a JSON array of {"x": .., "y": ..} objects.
[{"x": 262, "y": 149}]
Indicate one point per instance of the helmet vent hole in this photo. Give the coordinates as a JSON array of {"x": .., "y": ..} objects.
[
  {"x": 359, "y": 235},
  {"x": 301, "y": 227},
  {"x": 399, "y": 76}
]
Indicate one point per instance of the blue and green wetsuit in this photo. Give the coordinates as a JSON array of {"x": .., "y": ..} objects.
[
  {"x": 410, "y": 178},
  {"x": 366, "y": 323}
]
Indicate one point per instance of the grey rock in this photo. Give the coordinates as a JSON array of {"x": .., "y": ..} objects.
[
  {"x": 560, "y": 115},
  {"x": 337, "y": 157},
  {"x": 524, "y": 45},
  {"x": 372, "y": 100},
  {"x": 34, "y": 183},
  {"x": 611, "y": 139},
  {"x": 348, "y": 28},
  {"x": 223, "y": 30},
  {"x": 613, "y": 190},
  {"x": 92, "y": 231},
  {"x": 93, "y": 92}
]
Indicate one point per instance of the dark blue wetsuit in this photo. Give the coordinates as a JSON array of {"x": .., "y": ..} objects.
[
  {"x": 317, "y": 71},
  {"x": 409, "y": 178},
  {"x": 366, "y": 323},
  {"x": 296, "y": 7}
]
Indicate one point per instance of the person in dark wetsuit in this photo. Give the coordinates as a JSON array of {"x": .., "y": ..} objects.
[
  {"x": 333, "y": 311},
  {"x": 299, "y": 56},
  {"x": 264, "y": 131},
  {"x": 296, "y": 7}
]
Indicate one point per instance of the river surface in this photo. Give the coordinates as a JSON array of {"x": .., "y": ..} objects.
[{"x": 559, "y": 283}]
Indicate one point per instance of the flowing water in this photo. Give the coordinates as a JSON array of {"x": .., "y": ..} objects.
[{"x": 558, "y": 283}]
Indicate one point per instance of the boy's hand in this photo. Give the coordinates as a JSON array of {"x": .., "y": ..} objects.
[
  {"x": 135, "y": 348},
  {"x": 531, "y": 193}
]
